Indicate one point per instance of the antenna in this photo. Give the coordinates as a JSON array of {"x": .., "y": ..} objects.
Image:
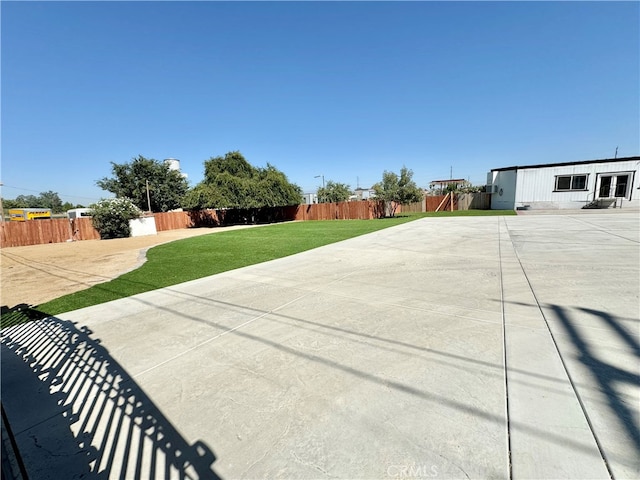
[{"x": 616, "y": 155}]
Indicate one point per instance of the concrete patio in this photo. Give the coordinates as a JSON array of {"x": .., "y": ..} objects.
[{"x": 462, "y": 347}]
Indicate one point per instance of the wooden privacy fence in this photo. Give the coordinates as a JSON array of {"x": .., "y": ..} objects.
[
  {"x": 36, "y": 232},
  {"x": 415, "y": 207},
  {"x": 448, "y": 203},
  {"x": 474, "y": 201},
  {"x": 363, "y": 210},
  {"x": 428, "y": 204},
  {"x": 432, "y": 202},
  {"x": 57, "y": 230},
  {"x": 462, "y": 201}
]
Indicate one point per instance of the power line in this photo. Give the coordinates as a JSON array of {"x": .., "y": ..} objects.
[{"x": 40, "y": 191}]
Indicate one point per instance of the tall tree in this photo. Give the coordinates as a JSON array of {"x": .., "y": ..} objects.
[
  {"x": 232, "y": 182},
  {"x": 44, "y": 200},
  {"x": 51, "y": 200},
  {"x": 233, "y": 163},
  {"x": 334, "y": 192},
  {"x": 28, "y": 201},
  {"x": 396, "y": 190},
  {"x": 166, "y": 187}
]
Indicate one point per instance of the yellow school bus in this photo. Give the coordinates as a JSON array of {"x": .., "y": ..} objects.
[{"x": 24, "y": 214}]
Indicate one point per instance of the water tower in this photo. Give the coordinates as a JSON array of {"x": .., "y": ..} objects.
[{"x": 174, "y": 164}]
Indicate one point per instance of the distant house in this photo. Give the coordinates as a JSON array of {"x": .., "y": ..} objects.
[
  {"x": 310, "y": 198},
  {"x": 440, "y": 186},
  {"x": 362, "y": 194},
  {"x": 585, "y": 184}
]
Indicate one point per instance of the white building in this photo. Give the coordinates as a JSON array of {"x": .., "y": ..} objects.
[
  {"x": 310, "y": 198},
  {"x": 364, "y": 193},
  {"x": 78, "y": 213},
  {"x": 612, "y": 182}
]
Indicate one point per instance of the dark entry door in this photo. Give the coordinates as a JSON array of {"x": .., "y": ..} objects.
[{"x": 605, "y": 186}]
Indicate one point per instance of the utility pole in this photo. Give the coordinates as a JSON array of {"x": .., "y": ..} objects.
[
  {"x": 148, "y": 197},
  {"x": 1, "y": 208}
]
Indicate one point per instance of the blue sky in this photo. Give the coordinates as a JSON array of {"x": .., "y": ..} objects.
[{"x": 340, "y": 89}]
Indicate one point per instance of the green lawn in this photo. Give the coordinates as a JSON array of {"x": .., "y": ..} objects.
[{"x": 198, "y": 257}]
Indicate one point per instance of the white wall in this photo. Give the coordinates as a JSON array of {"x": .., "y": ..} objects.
[
  {"x": 310, "y": 198},
  {"x": 505, "y": 183},
  {"x": 143, "y": 226}
]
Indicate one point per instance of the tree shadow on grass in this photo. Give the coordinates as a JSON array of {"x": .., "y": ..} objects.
[{"x": 76, "y": 413}]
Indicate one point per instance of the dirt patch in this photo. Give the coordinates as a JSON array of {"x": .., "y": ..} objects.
[{"x": 39, "y": 273}]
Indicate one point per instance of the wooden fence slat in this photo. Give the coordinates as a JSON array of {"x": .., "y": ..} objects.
[{"x": 57, "y": 230}]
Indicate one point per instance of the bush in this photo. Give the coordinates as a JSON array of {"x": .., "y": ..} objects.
[{"x": 111, "y": 217}]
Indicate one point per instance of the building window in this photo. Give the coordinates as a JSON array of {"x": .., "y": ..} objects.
[
  {"x": 566, "y": 183},
  {"x": 621, "y": 185}
]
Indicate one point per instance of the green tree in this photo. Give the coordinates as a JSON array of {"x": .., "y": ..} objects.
[
  {"x": 396, "y": 190},
  {"x": 271, "y": 188},
  {"x": 8, "y": 203},
  {"x": 467, "y": 187},
  {"x": 44, "y": 200},
  {"x": 166, "y": 187},
  {"x": 232, "y": 182},
  {"x": 28, "y": 201},
  {"x": 201, "y": 196},
  {"x": 233, "y": 164},
  {"x": 111, "y": 217},
  {"x": 334, "y": 192},
  {"x": 51, "y": 200}
]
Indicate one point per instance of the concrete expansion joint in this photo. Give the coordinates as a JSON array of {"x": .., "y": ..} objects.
[
  {"x": 556, "y": 352},
  {"x": 504, "y": 357},
  {"x": 608, "y": 232},
  {"x": 237, "y": 327}
]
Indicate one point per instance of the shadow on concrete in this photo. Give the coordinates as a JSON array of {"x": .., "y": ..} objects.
[
  {"x": 76, "y": 413},
  {"x": 456, "y": 404},
  {"x": 405, "y": 347},
  {"x": 18, "y": 314},
  {"x": 465, "y": 405},
  {"x": 608, "y": 377}
]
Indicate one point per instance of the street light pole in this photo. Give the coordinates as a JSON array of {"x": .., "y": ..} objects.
[{"x": 318, "y": 176}]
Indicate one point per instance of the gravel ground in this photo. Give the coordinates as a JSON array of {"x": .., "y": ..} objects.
[{"x": 39, "y": 273}]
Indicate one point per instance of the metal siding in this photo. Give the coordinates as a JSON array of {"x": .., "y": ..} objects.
[{"x": 536, "y": 185}]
